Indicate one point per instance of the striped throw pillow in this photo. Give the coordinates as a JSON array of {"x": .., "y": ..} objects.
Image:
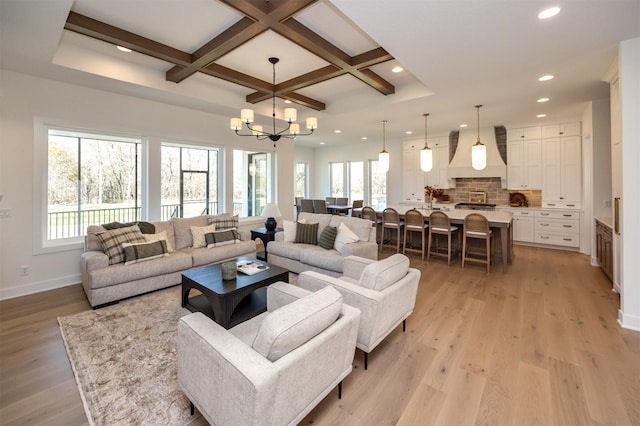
[
  {"x": 222, "y": 238},
  {"x": 328, "y": 237},
  {"x": 139, "y": 252},
  {"x": 111, "y": 242},
  {"x": 307, "y": 233}
]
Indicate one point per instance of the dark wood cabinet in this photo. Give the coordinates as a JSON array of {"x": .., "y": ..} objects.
[{"x": 604, "y": 248}]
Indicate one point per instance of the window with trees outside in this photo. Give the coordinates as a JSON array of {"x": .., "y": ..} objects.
[
  {"x": 377, "y": 185},
  {"x": 91, "y": 179},
  {"x": 253, "y": 182},
  {"x": 336, "y": 179},
  {"x": 356, "y": 180},
  {"x": 302, "y": 180},
  {"x": 189, "y": 180}
]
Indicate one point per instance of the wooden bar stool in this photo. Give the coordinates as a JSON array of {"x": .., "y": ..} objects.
[
  {"x": 391, "y": 222},
  {"x": 414, "y": 222},
  {"x": 439, "y": 224},
  {"x": 477, "y": 226},
  {"x": 369, "y": 213}
]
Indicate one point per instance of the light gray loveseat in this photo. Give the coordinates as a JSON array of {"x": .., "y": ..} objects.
[
  {"x": 300, "y": 257},
  {"x": 274, "y": 368},
  {"x": 104, "y": 283}
]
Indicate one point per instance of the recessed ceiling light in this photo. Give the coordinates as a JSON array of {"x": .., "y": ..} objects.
[
  {"x": 364, "y": 138},
  {"x": 541, "y": 115},
  {"x": 337, "y": 131},
  {"x": 408, "y": 132},
  {"x": 123, "y": 49},
  {"x": 463, "y": 125},
  {"x": 287, "y": 101},
  {"x": 397, "y": 69},
  {"x": 321, "y": 143},
  {"x": 549, "y": 13},
  {"x": 543, "y": 100},
  {"x": 546, "y": 77}
]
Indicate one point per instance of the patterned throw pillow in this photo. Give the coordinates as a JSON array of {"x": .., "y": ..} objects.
[
  {"x": 111, "y": 242},
  {"x": 145, "y": 227},
  {"x": 307, "y": 233},
  {"x": 139, "y": 252},
  {"x": 224, "y": 222},
  {"x": 222, "y": 238},
  {"x": 328, "y": 237},
  {"x": 198, "y": 233},
  {"x": 159, "y": 236}
]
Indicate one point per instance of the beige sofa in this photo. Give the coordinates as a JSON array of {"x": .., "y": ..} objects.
[
  {"x": 299, "y": 257},
  {"x": 104, "y": 283},
  {"x": 274, "y": 368}
]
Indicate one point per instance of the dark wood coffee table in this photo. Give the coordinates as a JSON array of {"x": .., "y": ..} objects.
[{"x": 229, "y": 302}]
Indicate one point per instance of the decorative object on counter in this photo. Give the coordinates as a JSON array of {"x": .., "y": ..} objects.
[
  {"x": 383, "y": 156},
  {"x": 518, "y": 199},
  {"x": 431, "y": 195},
  {"x": 444, "y": 198},
  {"x": 479, "y": 150},
  {"x": 478, "y": 197},
  {"x": 426, "y": 154},
  {"x": 271, "y": 210},
  {"x": 229, "y": 270}
]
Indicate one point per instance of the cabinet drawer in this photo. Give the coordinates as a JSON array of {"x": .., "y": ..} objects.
[
  {"x": 558, "y": 226},
  {"x": 571, "y": 205},
  {"x": 558, "y": 240},
  {"x": 551, "y": 214}
]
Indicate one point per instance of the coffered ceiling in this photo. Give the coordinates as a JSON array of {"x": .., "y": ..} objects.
[{"x": 335, "y": 56}]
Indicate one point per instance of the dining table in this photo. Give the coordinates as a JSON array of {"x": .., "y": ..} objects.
[
  {"x": 338, "y": 208},
  {"x": 501, "y": 222}
]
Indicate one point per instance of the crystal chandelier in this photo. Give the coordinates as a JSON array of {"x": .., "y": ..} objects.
[{"x": 290, "y": 115}]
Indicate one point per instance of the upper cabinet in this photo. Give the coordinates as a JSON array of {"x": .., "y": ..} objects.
[
  {"x": 438, "y": 177},
  {"x": 413, "y": 178},
  {"x": 524, "y": 158},
  {"x": 562, "y": 166},
  {"x": 524, "y": 133}
]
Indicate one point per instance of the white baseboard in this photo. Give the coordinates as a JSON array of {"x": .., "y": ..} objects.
[
  {"x": 630, "y": 322},
  {"x": 37, "y": 287}
]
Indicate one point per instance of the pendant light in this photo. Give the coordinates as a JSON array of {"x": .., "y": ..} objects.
[
  {"x": 383, "y": 157},
  {"x": 479, "y": 150},
  {"x": 426, "y": 154}
]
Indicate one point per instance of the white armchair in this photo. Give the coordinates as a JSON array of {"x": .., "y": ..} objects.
[
  {"x": 272, "y": 369},
  {"x": 384, "y": 291}
]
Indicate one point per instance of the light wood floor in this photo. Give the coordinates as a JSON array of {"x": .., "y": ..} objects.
[{"x": 536, "y": 345}]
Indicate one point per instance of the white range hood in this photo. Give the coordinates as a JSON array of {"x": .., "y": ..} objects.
[{"x": 460, "y": 166}]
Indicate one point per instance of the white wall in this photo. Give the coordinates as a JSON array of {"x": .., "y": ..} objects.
[
  {"x": 25, "y": 99},
  {"x": 629, "y": 72}
]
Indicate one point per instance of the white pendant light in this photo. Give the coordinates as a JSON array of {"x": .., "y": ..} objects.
[
  {"x": 383, "y": 157},
  {"x": 426, "y": 154},
  {"x": 479, "y": 150}
]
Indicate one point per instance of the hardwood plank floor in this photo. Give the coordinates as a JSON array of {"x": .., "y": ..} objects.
[{"x": 538, "y": 345}]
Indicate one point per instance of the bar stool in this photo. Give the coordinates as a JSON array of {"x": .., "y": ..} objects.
[
  {"x": 391, "y": 222},
  {"x": 357, "y": 204},
  {"x": 477, "y": 226},
  {"x": 414, "y": 222},
  {"x": 369, "y": 213},
  {"x": 439, "y": 224}
]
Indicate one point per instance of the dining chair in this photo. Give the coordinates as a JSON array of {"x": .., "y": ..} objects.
[
  {"x": 414, "y": 223},
  {"x": 391, "y": 222},
  {"x": 357, "y": 204},
  {"x": 306, "y": 205},
  {"x": 342, "y": 201},
  {"x": 330, "y": 200},
  {"x": 319, "y": 206},
  {"x": 476, "y": 226},
  {"x": 369, "y": 213},
  {"x": 439, "y": 224}
]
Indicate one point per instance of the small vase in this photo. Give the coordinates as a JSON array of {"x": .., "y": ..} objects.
[
  {"x": 229, "y": 270},
  {"x": 428, "y": 202}
]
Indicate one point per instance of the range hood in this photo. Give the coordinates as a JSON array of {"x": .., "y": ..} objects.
[{"x": 460, "y": 165}]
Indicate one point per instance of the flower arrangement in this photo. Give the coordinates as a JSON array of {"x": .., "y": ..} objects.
[{"x": 432, "y": 192}]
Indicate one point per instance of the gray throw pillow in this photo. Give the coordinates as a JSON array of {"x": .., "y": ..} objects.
[
  {"x": 328, "y": 237},
  {"x": 307, "y": 233}
]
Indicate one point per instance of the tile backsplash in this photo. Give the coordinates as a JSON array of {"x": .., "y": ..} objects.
[{"x": 495, "y": 194}]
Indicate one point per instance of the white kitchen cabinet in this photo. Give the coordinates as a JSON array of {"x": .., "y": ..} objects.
[
  {"x": 560, "y": 228},
  {"x": 524, "y": 133},
  {"x": 413, "y": 181},
  {"x": 524, "y": 164},
  {"x": 562, "y": 172},
  {"x": 523, "y": 226},
  {"x": 438, "y": 177},
  {"x": 566, "y": 129}
]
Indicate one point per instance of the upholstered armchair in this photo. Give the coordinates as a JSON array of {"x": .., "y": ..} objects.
[
  {"x": 384, "y": 291},
  {"x": 272, "y": 369}
]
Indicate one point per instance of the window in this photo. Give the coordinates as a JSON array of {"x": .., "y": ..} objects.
[
  {"x": 377, "y": 185},
  {"x": 356, "y": 180},
  {"x": 189, "y": 181},
  {"x": 253, "y": 183},
  {"x": 91, "y": 179},
  {"x": 336, "y": 179},
  {"x": 301, "y": 183}
]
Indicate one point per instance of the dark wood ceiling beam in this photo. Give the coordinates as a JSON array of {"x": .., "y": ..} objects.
[
  {"x": 230, "y": 39},
  {"x": 305, "y": 101},
  {"x": 268, "y": 12},
  {"x": 372, "y": 57},
  {"x": 297, "y": 83},
  {"x": 237, "y": 77},
  {"x": 374, "y": 80},
  {"x": 99, "y": 30}
]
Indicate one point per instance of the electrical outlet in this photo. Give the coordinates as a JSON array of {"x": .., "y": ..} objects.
[
  {"x": 607, "y": 203},
  {"x": 24, "y": 270}
]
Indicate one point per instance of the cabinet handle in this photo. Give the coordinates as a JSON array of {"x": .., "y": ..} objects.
[
  {"x": 544, "y": 237},
  {"x": 567, "y": 215},
  {"x": 616, "y": 215},
  {"x": 568, "y": 239},
  {"x": 571, "y": 205},
  {"x": 525, "y": 213},
  {"x": 544, "y": 214},
  {"x": 562, "y": 198},
  {"x": 551, "y": 204},
  {"x": 568, "y": 226},
  {"x": 544, "y": 224}
]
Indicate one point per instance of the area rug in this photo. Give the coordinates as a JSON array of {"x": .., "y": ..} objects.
[{"x": 124, "y": 360}]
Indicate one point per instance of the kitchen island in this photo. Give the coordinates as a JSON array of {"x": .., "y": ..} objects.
[{"x": 499, "y": 221}]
